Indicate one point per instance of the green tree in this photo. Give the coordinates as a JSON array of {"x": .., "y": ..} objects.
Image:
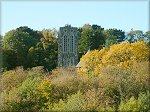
[
  {"x": 51, "y": 49},
  {"x": 9, "y": 58},
  {"x": 1, "y": 38},
  {"x": 113, "y": 36},
  {"x": 36, "y": 55},
  {"x": 1, "y": 51},
  {"x": 147, "y": 37},
  {"x": 90, "y": 36},
  {"x": 31, "y": 32},
  {"x": 134, "y": 35},
  {"x": 19, "y": 43},
  {"x": 45, "y": 52},
  {"x": 110, "y": 41}
]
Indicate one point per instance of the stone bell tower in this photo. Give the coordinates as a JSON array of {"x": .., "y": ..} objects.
[{"x": 67, "y": 46}]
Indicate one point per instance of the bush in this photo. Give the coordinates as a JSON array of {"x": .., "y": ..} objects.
[
  {"x": 68, "y": 82},
  {"x": 120, "y": 84},
  {"x": 141, "y": 104},
  {"x": 13, "y": 78},
  {"x": 46, "y": 94},
  {"x": 74, "y": 102},
  {"x": 20, "y": 93},
  {"x": 23, "y": 98}
]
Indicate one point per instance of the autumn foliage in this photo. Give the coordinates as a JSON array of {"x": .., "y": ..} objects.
[
  {"x": 123, "y": 55},
  {"x": 114, "y": 79}
]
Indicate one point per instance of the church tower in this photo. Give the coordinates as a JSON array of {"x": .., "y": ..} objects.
[{"x": 67, "y": 46}]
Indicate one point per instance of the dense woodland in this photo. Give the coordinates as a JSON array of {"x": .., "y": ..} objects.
[{"x": 114, "y": 75}]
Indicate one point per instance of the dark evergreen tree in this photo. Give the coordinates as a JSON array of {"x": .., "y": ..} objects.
[{"x": 90, "y": 36}]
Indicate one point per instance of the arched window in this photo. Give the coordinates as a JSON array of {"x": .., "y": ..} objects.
[
  {"x": 71, "y": 44},
  {"x": 65, "y": 43}
]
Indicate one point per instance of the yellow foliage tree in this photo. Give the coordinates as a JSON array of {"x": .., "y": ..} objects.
[
  {"x": 124, "y": 55},
  {"x": 91, "y": 61},
  {"x": 46, "y": 92}
]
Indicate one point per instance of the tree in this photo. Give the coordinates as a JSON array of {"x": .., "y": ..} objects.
[
  {"x": 1, "y": 38},
  {"x": 91, "y": 62},
  {"x": 125, "y": 53},
  {"x": 110, "y": 41},
  {"x": 31, "y": 32},
  {"x": 45, "y": 52},
  {"x": 18, "y": 42},
  {"x": 134, "y": 35},
  {"x": 9, "y": 59},
  {"x": 90, "y": 37},
  {"x": 36, "y": 55},
  {"x": 51, "y": 49},
  {"x": 28, "y": 48},
  {"x": 97, "y": 37},
  {"x": 147, "y": 37},
  {"x": 113, "y": 36},
  {"x": 1, "y": 51}
]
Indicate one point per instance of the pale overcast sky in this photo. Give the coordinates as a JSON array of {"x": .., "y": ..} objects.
[{"x": 38, "y": 15}]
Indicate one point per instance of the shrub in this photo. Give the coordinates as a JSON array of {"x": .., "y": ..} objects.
[
  {"x": 74, "y": 102},
  {"x": 141, "y": 104},
  {"x": 46, "y": 94},
  {"x": 66, "y": 83},
  {"x": 23, "y": 98},
  {"x": 94, "y": 99},
  {"x": 13, "y": 78},
  {"x": 20, "y": 93},
  {"x": 120, "y": 84}
]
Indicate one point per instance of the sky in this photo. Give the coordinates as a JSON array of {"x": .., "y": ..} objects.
[{"x": 38, "y": 15}]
